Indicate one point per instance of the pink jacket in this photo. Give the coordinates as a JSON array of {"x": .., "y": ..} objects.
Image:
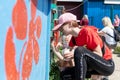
[{"x": 116, "y": 22}]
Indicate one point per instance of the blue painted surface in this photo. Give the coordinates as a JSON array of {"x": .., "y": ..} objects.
[
  {"x": 96, "y": 10},
  {"x": 41, "y": 70}
]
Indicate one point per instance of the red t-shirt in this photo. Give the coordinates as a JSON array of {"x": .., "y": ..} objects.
[
  {"x": 84, "y": 22},
  {"x": 89, "y": 37}
]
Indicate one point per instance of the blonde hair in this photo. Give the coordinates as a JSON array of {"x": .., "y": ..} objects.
[
  {"x": 72, "y": 23},
  {"x": 107, "y": 22}
]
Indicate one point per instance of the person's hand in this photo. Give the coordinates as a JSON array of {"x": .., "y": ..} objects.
[
  {"x": 58, "y": 46},
  {"x": 57, "y": 53},
  {"x": 52, "y": 44},
  {"x": 68, "y": 55}
]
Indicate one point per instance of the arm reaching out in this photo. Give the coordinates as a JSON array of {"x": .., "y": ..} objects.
[{"x": 56, "y": 52}]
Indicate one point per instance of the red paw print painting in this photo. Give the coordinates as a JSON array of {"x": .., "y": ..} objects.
[{"x": 27, "y": 32}]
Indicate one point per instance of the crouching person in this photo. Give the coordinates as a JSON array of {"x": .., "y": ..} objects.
[{"x": 90, "y": 54}]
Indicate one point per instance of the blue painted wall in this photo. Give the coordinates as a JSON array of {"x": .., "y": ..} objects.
[
  {"x": 39, "y": 70},
  {"x": 96, "y": 10}
]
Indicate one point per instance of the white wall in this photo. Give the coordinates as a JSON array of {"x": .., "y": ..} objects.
[{"x": 112, "y": 1}]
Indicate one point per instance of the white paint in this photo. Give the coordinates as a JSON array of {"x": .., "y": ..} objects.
[{"x": 112, "y": 1}]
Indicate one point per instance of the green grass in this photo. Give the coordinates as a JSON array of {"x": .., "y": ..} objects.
[{"x": 117, "y": 50}]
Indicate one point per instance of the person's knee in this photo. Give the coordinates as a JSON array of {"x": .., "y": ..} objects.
[
  {"x": 108, "y": 73},
  {"x": 78, "y": 52}
]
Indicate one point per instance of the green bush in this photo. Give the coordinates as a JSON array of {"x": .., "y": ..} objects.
[
  {"x": 117, "y": 50},
  {"x": 54, "y": 72}
]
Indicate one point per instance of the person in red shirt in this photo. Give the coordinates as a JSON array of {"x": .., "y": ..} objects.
[
  {"x": 84, "y": 20},
  {"x": 89, "y": 53}
]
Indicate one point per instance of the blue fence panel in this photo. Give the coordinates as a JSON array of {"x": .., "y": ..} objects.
[
  {"x": 116, "y": 10},
  {"x": 96, "y": 10}
]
